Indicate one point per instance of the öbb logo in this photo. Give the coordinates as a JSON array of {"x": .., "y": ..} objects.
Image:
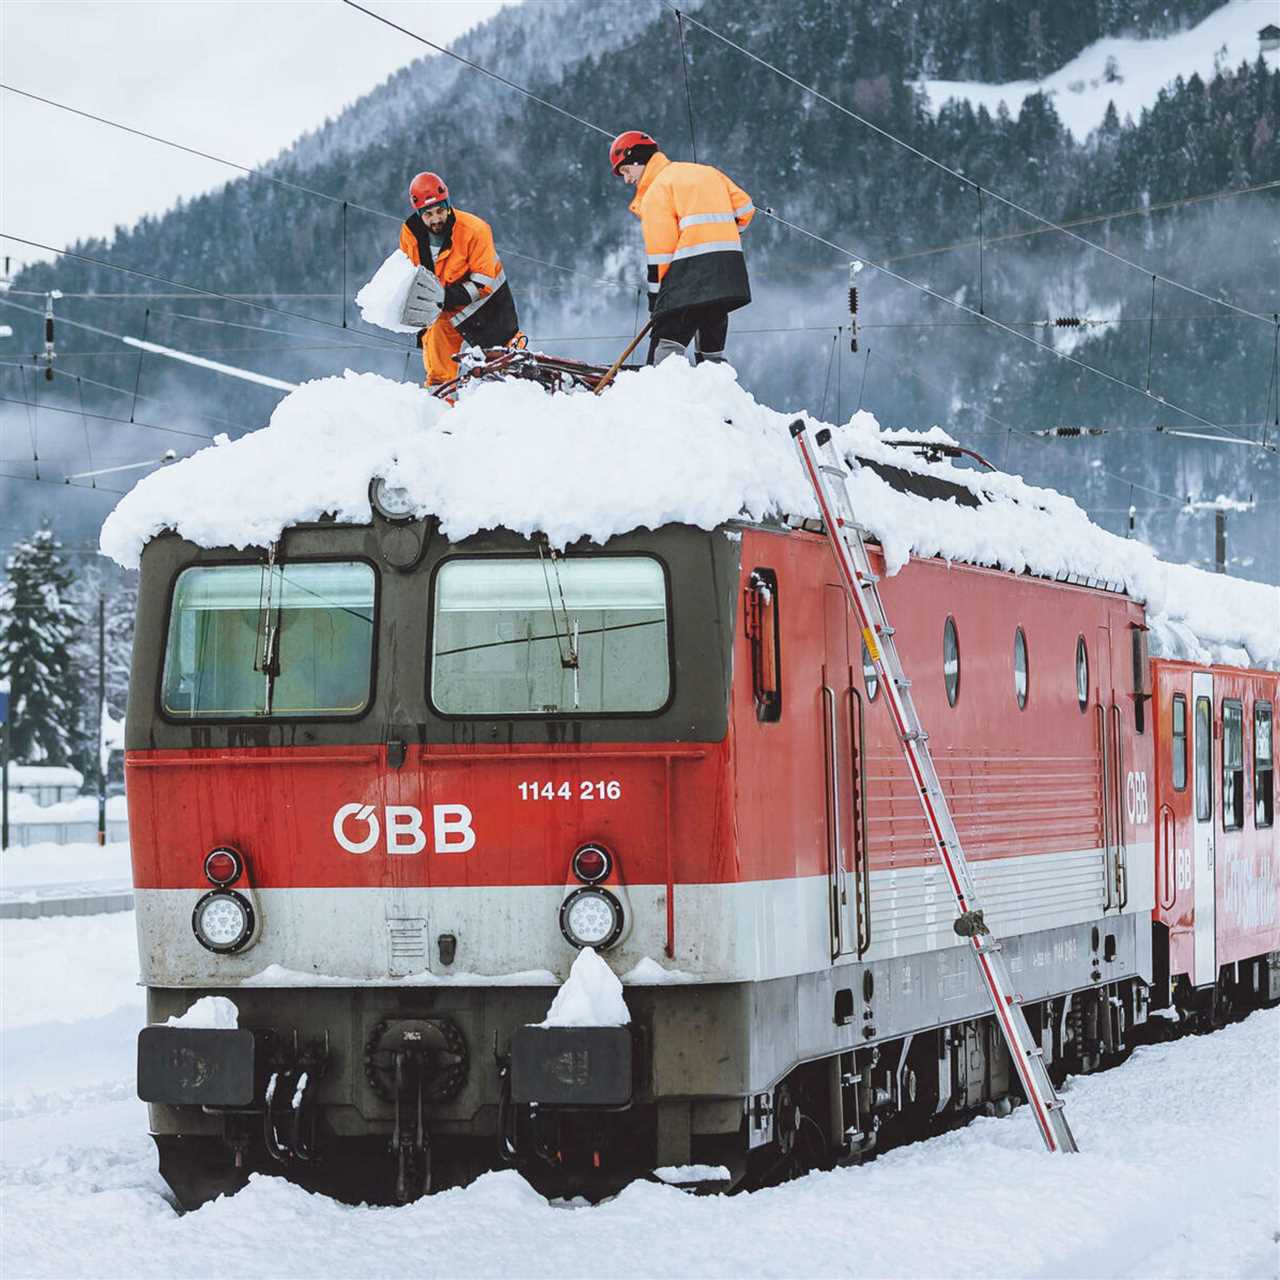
[{"x": 451, "y": 827}]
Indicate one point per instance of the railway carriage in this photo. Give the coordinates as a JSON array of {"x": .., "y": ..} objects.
[
  {"x": 384, "y": 786},
  {"x": 1217, "y": 916}
]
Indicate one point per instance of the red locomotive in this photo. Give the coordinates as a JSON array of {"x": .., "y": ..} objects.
[{"x": 383, "y": 787}]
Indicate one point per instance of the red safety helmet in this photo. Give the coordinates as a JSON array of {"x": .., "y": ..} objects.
[
  {"x": 623, "y": 143},
  {"x": 428, "y": 190}
]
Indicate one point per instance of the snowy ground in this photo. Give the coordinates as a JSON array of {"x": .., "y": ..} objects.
[
  {"x": 1177, "y": 1176},
  {"x": 55, "y": 870}
]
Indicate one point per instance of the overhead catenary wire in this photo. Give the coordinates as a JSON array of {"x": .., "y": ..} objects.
[
  {"x": 310, "y": 191},
  {"x": 1048, "y": 223},
  {"x": 124, "y": 391},
  {"x": 182, "y": 284},
  {"x": 1062, "y": 355},
  {"x": 475, "y": 66},
  {"x": 1090, "y": 219},
  {"x": 991, "y": 320}
]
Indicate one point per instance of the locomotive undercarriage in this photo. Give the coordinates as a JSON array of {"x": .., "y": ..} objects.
[{"x": 386, "y": 1092}]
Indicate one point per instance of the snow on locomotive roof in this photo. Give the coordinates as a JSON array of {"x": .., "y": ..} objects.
[{"x": 671, "y": 444}]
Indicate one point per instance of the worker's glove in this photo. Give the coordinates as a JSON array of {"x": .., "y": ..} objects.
[
  {"x": 653, "y": 302},
  {"x": 424, "y": 300},
  {"x": 421, "y": 336}
]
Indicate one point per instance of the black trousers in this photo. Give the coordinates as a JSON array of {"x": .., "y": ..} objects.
[{"x": 710, "y": 324}]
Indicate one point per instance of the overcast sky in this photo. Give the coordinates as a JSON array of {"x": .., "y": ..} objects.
[{"x": 239, "y": 80}]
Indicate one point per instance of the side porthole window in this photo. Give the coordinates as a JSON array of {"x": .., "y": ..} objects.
[
  {"x": 1264, "y": 795},
  {"x": 1232, "y": 765},
  {"x": 1179, "y": 742},
  {"x": 951, "y": 660},
  {"x": 1020, "y": 667},
  {"x": 869, "y": 676},
  {"x": 1082, "y": 673},
  {"x": 762, "y": 631}
]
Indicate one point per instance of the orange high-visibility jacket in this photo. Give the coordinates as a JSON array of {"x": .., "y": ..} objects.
[
  {"x": 477, "y": 298},
  {"x": 691, "y": 215}
]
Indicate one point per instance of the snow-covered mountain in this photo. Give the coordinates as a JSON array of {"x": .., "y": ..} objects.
[{"x": 1127, "y": 71}]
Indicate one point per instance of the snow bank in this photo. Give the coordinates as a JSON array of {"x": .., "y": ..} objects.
[
  {"x": 649, "y": 973},
  {"x": 213, "y": 1013},
  {"x": 66, "y": 969},
  {"x": 591, "y": 996},
  {"x": 82, "y": 1198},
  {"x": 1125, "y": 70},
  {"x": 671, "y": 444},
  {"x": 41, "y": 865},
  {"x": 381, "y": 301}
]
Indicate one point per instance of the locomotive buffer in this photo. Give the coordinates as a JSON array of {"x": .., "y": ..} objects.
[{"x": 829, "y": 481}]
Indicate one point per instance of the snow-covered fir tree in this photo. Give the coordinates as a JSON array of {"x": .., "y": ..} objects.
[
  {"x": 118, "y": 590},
  {"x": 38, "y": 626}
]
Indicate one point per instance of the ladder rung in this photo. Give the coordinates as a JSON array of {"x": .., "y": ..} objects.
[
  {"x": 884, "y": 629},
  {"x": 903, "y": 682},
  {"x": 915, "y": 735},
  {"x": 1037, "y": 1052}
]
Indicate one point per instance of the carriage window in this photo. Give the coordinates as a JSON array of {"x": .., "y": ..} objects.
[
  {"x": 1232, "y": 765},
  {"x": 1082, "y": 673},
  {"x": 870, "y": 677},
  {"x": 1204, "y": 759},
  {"x": 1264, "y": 796},
  {"x": 1179, "y": 742},
  {"x": 1020, "y": 667},
  {"x": 547, "y": 635},
  {"x": 951, "y": 660},
  {"x": 762, "y": 631},
  {"x": 248, "y": 642}
]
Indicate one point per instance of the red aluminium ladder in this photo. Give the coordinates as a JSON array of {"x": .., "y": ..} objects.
[{"x": 829, "y": 481}]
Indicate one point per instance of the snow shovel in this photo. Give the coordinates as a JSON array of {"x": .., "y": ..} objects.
[
  {"x": 617, "y": 364},
  {"x": 425, "y": 298}
]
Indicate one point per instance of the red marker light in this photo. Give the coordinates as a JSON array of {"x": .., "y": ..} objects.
[
  {"x": 222, "y": 866},
  {"x": 591, "y": 864}
]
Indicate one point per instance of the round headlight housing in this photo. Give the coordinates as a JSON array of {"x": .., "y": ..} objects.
[
  {"x": 592, "y": 863},
  {"x": 391, "y": 501},
  {"x": 222, "y": 921},
  {"x": 591, "y": 917}
]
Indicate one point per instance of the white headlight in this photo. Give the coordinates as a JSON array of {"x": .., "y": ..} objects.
[
  {"x": 222, "y": 920},
  {"x": 391, "y": 501},
  {"x": 591, "y": 917}
]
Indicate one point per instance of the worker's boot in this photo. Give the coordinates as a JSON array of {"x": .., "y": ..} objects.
[
  {"x": 709, "y": 357},
  {"x": 667, "y": 347}
]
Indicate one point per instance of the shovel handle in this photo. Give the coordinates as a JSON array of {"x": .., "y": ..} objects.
[{"x": 617, "y": 364}]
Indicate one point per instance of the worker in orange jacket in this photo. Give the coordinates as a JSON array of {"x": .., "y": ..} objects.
[
  {"x": 691, "y": 215},
  {"x": 474, "y": 299}
]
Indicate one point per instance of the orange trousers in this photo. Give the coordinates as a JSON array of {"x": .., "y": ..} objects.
[{"x": 440, "y": 346}]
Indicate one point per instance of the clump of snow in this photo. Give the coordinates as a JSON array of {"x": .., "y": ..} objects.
[
  {"x": 576, "y": 466},
  {"x": 381, "y": 300},
  {"x": 677, "y": 1174},
  {"x": 649, "y": 973},
  {"x": 591, "y": 996},
  {"x": 214, "y": 1013},
  {"x": 1125, "y": 70}
]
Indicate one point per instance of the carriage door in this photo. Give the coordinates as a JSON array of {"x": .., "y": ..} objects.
[
  {"x": 1107, "y": 718},
  {"x": 1206, "y": 959},
  {"x": 837, "y": 735}
]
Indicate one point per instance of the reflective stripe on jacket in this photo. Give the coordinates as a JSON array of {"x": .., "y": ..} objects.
[
  {"x": 477, "y": 298},
  {"x": 691, "y": 215}
]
